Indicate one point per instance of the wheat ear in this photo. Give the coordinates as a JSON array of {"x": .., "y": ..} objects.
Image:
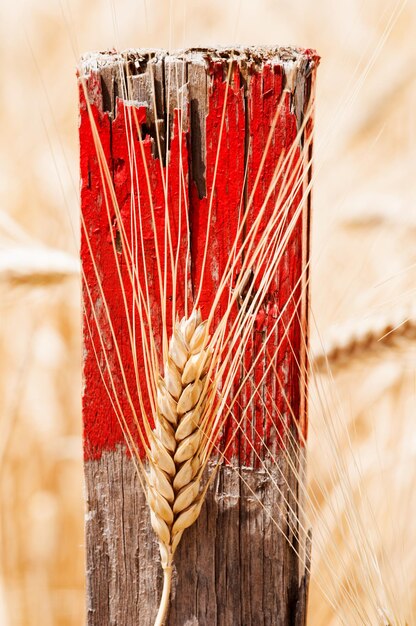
[
  {"x": 367, "y": 339},
  {"x": 176, "y": 459}
]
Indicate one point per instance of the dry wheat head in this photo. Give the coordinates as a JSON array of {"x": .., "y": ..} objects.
[{"x": 178, "y": 439}]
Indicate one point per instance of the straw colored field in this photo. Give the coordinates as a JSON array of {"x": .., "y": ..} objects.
[{"x": 363, "y": 277}]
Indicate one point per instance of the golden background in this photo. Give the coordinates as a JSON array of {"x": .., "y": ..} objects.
[{"x": 363, "y": 279}]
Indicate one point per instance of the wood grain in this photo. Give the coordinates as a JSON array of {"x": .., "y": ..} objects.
[{"x": 233, "y": 566}]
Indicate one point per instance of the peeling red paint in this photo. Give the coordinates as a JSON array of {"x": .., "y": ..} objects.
[{"x": 251, "y": 111}]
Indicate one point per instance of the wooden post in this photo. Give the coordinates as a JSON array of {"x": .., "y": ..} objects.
[{"x": 243, "y": 561}]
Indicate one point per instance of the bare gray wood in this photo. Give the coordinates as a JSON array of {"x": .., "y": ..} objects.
[
  {"x": 243, "y": 562},
  {"x": 233, "y": 566}
]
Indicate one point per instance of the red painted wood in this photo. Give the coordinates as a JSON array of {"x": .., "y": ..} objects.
[
  {"x": 261, "y": 95},
  {"x": 226, "y": 188}
]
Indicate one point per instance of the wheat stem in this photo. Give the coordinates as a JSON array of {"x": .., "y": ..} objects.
[{"x": 164, "y": 602}]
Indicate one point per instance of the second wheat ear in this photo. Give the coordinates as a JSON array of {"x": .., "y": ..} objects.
[{"x": 196, "y": 173}]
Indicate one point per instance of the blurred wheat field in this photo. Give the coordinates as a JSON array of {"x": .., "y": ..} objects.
[{"x": 363, "y": 271}]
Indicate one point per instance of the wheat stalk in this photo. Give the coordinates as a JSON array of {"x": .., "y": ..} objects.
[
  {"x": 366, "y": 339},
  {"x": 24, "y": 261},
  {"x": 177, "y": 442},
  {"x": 36, "y": 266}
]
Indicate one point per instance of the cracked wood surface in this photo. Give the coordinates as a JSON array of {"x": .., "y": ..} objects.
[{"x": 233, "y": 566}]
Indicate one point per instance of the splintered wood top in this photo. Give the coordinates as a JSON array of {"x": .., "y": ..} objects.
[{"x": 248, "y": 54}]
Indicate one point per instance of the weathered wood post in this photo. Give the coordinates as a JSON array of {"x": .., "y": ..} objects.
[{"x": 201, "y": 134}]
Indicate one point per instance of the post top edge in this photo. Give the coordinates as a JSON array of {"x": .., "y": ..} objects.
[{"x": 96, "y": 61}]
